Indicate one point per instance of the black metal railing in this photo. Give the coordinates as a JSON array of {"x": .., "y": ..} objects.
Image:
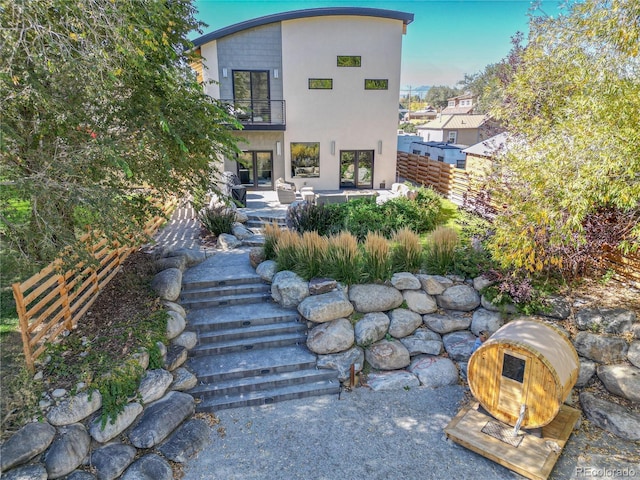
[{"x": 257, "y": 112}]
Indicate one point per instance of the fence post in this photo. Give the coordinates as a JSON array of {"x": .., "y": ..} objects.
[
  {"x": 64, "y": 297},
  {"x": 24, "y": 326}
]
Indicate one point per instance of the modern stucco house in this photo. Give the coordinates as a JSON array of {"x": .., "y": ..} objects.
[{"x": 316, "y": 91}]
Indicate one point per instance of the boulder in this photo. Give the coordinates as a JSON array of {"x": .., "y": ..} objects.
[
  {"x": 434, "y": 284},
  {"x": 256, "y": 256},
  {"x": 289, "y": 289},
  {"x": 111, "y": 460},
  {"x": 586, "y": 372},
  {"x": 26, "y": 443},
  {"x": 423, "y": 341},
  {"x": 459, "y": 345},
  {"x": 267, "y": 270},
  {"x": 187, "y": 340},
  {"x": 403, "y": 322},
  {"x": 227, "y": 241},
  {"x": 154, "y": 384},
  {"x": 176, "y": 356},
  {"x": 115, "y": 427},
  {"x": 482, "y": 282},
  {"x": 342, "y": 362},
  {"x": 419, "y": 301},
  {"x": 605, "y": 320},
  {"x": 325, "y": 307},
  {"x": 622, "y": 380},
  {"x": 28, "y": 472},
  {"x": 170, "y": 262},
  {"x": 318, "y": 286},
  {"x": 331, "y": 337},
  {"x": 175, "y": 307},
  {"x": 405, "y": 281},
  {"x": 75, "y": 408},
  {"x": 192, "y": 256},
  {"x": 149, "y": 467},
  {"x": 504, "y": 308},
  {"x": 600, "y": 348},
  {"x": 80, "y": 475},
  {"x": 434, "y": 371},
  {"x": 388, "y": 355},
  {"x": 371, "y": 328},
  {"x": 633, "y": 355},
  {"x": 67, "y": 451},
  {"x": 176, "y": 324},
  {"x": 183, "y": 380},
  {"x": 189, "y": 439},
  {"x": 240, "y": 231},
  {"x": 485, "y": 320},
  {"x": 459, "y": 297},
  {"x": 449, "y": 321},
  {"x": 241, "y": 217},
  {"x": 142, "y": 358},
  {"x": 167, "y": 284},
  {"x": 160, "y": 418},
  {"x": 374, "y": 298},
  {"x": 611, "y": 417},
  {"x": 556, "y": 307},
  {"x": 392, "y": 380}
]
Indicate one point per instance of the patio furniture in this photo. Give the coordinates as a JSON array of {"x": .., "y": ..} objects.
[
  {"x": 325, "y": 198},
  {"x": 286, "y": 191},
  {"x": 307, "y": 194}
]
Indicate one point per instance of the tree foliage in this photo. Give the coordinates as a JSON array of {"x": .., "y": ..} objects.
[
  {"x": 438, "y": 95},
  {"x": 572, "y": 167},
  {"x": 99, "y": 107}
]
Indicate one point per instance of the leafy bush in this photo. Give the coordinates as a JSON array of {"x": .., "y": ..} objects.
[
  {"x": 218, "y": 219},
  {"x": 363, "y": 215},
  {"x": 343, "y": 262},
  {"x": 376, "y": 258},
  {"x": 440, "y": 251},
  {"x": 516, "y": 288},
  {"x": 407, "y": 251},
  {"x": 307, "y": 217},
  {"x": 470, "y": 263}
]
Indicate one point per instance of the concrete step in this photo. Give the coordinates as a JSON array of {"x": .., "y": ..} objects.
[
  {"x": 241, "y": 279},
  {"x": 266, "y": 397},
  {"x": 237, "y": 316},
  {"x": 262, "y": 382},
  {"x": 245, "y": 344},
  {"x": 250, "y": 332},
  {"x": 224, "y": 291},
  {"x": 257, "y": 297},
  {"x": 215, "y": 368}
]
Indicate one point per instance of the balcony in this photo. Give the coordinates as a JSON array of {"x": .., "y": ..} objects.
[{"x": 258, "y": 114}]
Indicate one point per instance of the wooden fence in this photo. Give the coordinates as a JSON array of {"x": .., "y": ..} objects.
[
  {"x": 464, "y": 188},
  {"x": 53, "y": 301}
]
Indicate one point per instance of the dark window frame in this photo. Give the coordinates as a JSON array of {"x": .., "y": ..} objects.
[
  {"x": 357, "y": 59},
  {"x": 370, "y": 83},
  {"x": 312, "y": 87}
]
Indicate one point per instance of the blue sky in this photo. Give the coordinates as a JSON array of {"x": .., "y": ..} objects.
[{"x": 447, "y": 38}]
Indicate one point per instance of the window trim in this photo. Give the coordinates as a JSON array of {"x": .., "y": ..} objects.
[{"x": 330, "y": 80}]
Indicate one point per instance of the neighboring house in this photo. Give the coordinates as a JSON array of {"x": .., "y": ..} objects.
[
  {"x": 428, "y": 113},
  {"x": 480, "y": 156},
  {"x": 316, "y": 91},
  {"x": 460, "y": 129},
  {"x": 441, "y": 152},
  {"x": 460, "y": 105}
]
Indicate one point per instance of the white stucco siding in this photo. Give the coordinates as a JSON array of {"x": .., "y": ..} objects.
[
  {"x": 209, "y": 52},
  {"x": 349, "y": 115}
]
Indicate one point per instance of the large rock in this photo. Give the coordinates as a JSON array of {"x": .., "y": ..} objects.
[
  {"x": 611, "y": 417},
  {"x": 176, "y": 324},
  {"x": 267, "y": 270},
  {"x": 405, "y": 281},
  {"x": 111, "y": 460},
  {"x": 240, "y": 231},
  {"x": 160, "y": 418},
  {"x": 434, "y": 284},
  {"x": 227, "y": 241},
  {"x": 485, "y": 320},
  {"x": 192, "y": 256},
  {"x": 600, "y": 348},
  {"x": 186, "y": 441},
  {"x": 388, "y": 355},
  {"x": 633, "y": 355},
  {"x": 449, "y": 321},
  {"x": 183, "y": 380},
  {"x": 434, "y": 371},
  {"x": 459, "y": 345},
  {"x": 154, "y": 384},
  {"x": 170, "y": 262},
  {"x": 167, "y": 284},
  {"x": 621, "y": 380},
  {"x": 256, "y": 256},
  {"x": 371, "y": 328},
  {"x": 187, "y": 340},
  {"x": 459, "y": 297},
  {"x": 149, "y": 467},
  {"x": 556, "y": 307},
  {"x": 482, "y": 282},
  {"x": 325, "y": 307},
  {"x": 586, "y": 372},
  {"x": 289, "y": 289},
  {"x": 419, "y": 301},
  {"x": 374, "y": 298},
  {"x": 331, "y": 337},
  {"x": 28, "y": 472},
  {"x": 392, "y": 380},
  {"x": 423, "y": 341},
  {"x": 26, "y": 443},
  {"x": 114, "y": 428},
  {"x": 176, "y": 356},
  {"x": 75, "y": 408},
  {"x": 605, "y": 320},
  {"x": 342, "y": 362},
  {"x": 318, "y": 286},
  {"x": 67, "y": 451},
  {"x": 403, "y": 322},
  {"x": 80, "y": 475},
  {"x": 492, "y": 307},
  {"x": 175, "y": 307}
]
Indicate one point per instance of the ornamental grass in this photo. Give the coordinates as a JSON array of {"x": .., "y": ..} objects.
[
  {"x": 406, "y": 251},
  {"x": 376, "y": 258},
  {"x": 343, "y": 259},
  {"x": 441, "y": 250},
  {"x": 272, "y": 232},
  {"x": 311, "y": 255},
  {"x": 286, "y": 250}
]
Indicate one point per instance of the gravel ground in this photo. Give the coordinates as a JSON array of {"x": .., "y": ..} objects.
[{"x": 373, "y": 435}]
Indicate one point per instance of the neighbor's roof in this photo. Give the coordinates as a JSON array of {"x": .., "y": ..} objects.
[
  {"x": 454, "y": 122},
  {"x": 488, "y": 147},
  {"x": 406, "y": 18}
]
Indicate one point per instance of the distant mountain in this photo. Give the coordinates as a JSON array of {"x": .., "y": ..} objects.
[{"x": 420, "y": 89}]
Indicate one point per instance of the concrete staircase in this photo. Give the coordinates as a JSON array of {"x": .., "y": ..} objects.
[
  {"x": 250, "y": 350},
  {"x": 257, "y": 222}
]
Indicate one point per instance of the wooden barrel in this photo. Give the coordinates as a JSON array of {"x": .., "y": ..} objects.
[{"x": 524, "y": 363}]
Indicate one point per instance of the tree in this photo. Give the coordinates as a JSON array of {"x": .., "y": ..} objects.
[
  {"x": 437, "y": 96},
  {"x": 572, "y": 168},
  {"x": 99, "y": 109}
]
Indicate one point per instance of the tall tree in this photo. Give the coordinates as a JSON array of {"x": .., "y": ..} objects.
[
  {"x": 437, "y": 96},
  {"x": 573, "y": 162},
  {"x": 99, "y": 107}
]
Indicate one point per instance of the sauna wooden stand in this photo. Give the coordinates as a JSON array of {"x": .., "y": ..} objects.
[{"x": 520, "y": 376}]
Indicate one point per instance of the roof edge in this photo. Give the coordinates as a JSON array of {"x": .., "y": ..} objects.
[{"x": 406, "y": 18}]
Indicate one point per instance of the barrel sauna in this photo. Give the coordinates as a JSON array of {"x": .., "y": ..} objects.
[{"x": 525, "y": 363}]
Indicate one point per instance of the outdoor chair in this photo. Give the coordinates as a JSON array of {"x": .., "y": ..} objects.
[{"x": 286, "y": 191}]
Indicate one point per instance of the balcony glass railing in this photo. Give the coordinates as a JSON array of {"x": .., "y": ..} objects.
[{"x": 257, "y": 112}]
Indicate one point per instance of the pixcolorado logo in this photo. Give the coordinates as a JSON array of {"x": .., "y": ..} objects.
[{"x": 594, "y": 472}]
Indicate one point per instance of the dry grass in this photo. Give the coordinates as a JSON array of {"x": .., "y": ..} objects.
[
  {"x": 407, "y": 251},
  {"x": 286, "y": 249},
  {"x": 312, "y": 254},
  {"x": 343, "y": 262},
  {"x": 440, "y": 251},
  {"x": 377, "y": 258}
]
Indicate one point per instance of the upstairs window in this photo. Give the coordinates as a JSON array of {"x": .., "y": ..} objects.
[
  {"x": 376, "y": 84},
  {"x": 349, "y": 61},
  {"x": 321, "y": 83}
]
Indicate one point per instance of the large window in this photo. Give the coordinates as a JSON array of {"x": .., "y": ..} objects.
[
  {"x": 349, "y": 60},
  {"x": 305, "y": 159}
]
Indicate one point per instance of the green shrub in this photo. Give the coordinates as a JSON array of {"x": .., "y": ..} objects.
[
  {"x": 218, "y": 219},
  {"x": 470, "y": 263},
  {"x": 407, "y": 251},
  {"x": 363, "y": 215},
  {"x": 376, "y": 258},
  {"x": 440, "y": 251},
  {"x": 307, "y": 217}
]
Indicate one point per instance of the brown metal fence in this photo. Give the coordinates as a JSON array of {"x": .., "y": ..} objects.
[{"x": 53, "y": 301}]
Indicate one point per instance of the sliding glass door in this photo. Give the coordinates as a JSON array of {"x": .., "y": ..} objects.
[
  {"x": 356, "y": 169},
  {"x": 255, "y": 169}
]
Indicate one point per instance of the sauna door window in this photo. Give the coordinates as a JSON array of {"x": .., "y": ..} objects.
[{"x": 513, "y": 368}]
